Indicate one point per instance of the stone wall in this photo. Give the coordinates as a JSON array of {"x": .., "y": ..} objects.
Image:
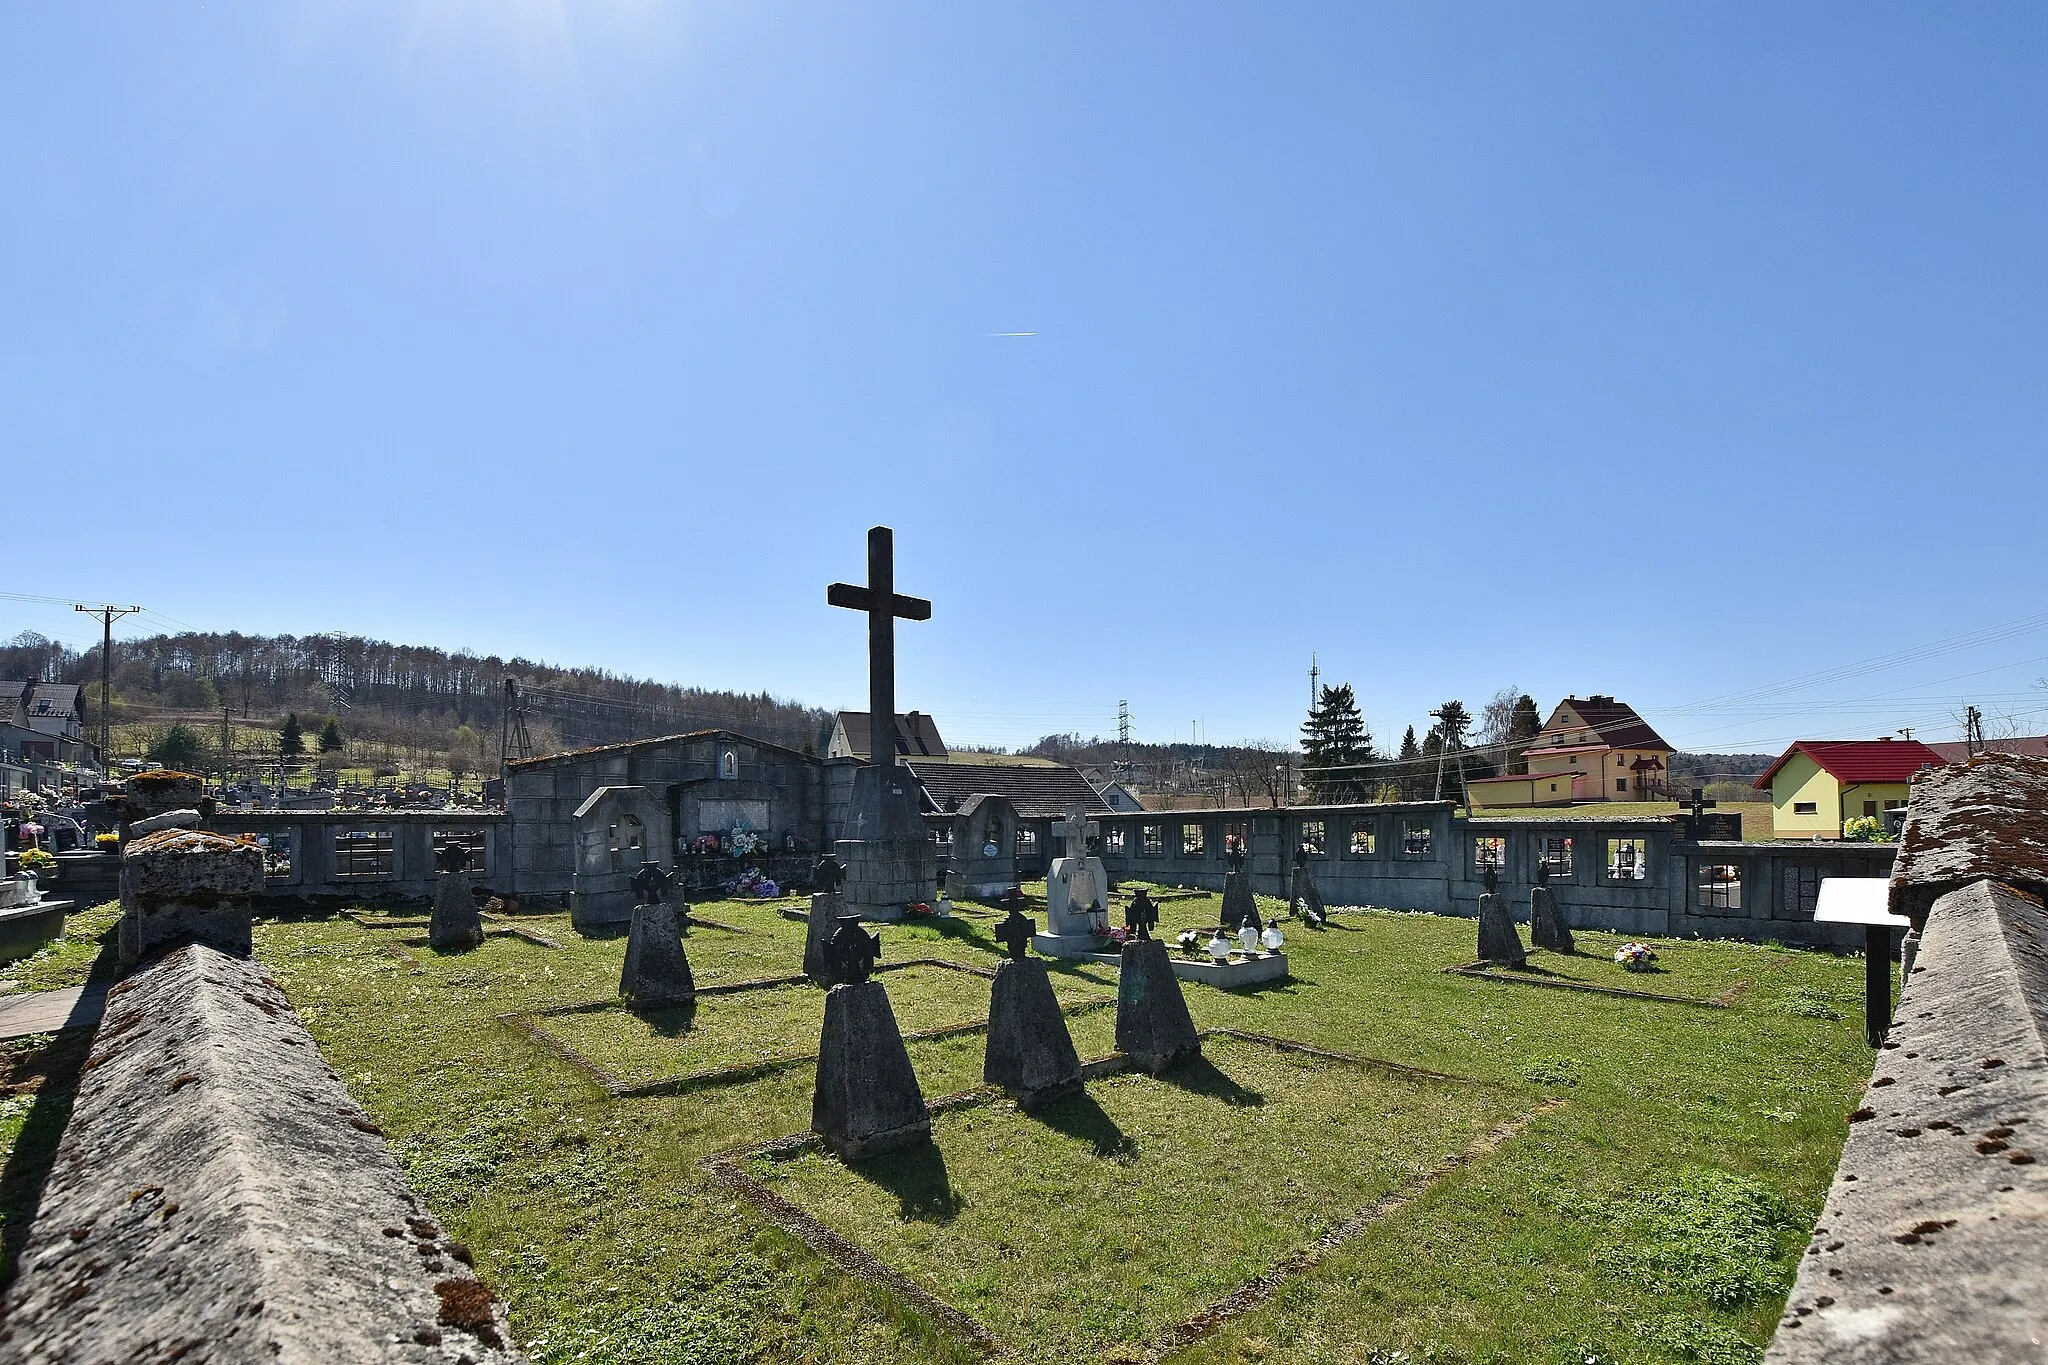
[
  {"x": 1678, "y": 893},
  {"x": 218, "y": 1196},
  {"x": 304, "y": 866},
  {"x": 1933, "y": 1242}
]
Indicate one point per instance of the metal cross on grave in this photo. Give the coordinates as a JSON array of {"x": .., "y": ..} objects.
[
  {"x": 1076, "y": 829},
  {"x": 1015, "y": 932},
  {"x": 1700, "y": 805},
  {"x": 880, "y": 600}
]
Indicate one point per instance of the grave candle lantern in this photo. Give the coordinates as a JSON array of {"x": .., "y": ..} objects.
[
  {"x": 1271, "y": 938},
  {"x": 1219, "y": 947}
]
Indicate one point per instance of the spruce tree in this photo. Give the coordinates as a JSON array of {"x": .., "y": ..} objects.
[
  {"x": 330, "y": 736},
  {"x": 1411, "y": 759},
  {"x": 180, "y": 748},
  {"x": 1526, "y": 725},
  {"x": 1334, "y": 741},
  {"x": 291, "y": 741}
]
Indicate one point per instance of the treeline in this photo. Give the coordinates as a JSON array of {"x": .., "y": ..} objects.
[{"x": 375, "y": 685}]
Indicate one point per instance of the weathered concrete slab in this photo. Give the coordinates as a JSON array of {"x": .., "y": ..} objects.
[
  {"x": 1933, "y": 1244},
  {"x": 867, "y": 1099},
  {"x": 217, "y": 1196},
  {"x": 1986, "y": 818},
  {"x": 1153, "y": 1026}
]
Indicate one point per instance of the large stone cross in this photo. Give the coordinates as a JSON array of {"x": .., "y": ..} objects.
[
  {"x": 880, "y": 600},
  {"x": 1076, "y": 829}
]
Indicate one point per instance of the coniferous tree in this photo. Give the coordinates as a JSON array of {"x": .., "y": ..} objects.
[
  {"x": 1411, "y": 759},
  {"x": 1527, "y": 724},
  {"x": 330, "y": 736},
  {"x": 179, "y": 748},
  {"x": 1334, "y": 741},
  {"x": 291, "y": 741}
]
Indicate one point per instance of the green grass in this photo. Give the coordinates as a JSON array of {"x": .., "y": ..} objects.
[
  {"x": 1654, "y": 1217},
  {"x": 67, "y": 960},
  {"x": 1756, "y": 815}
]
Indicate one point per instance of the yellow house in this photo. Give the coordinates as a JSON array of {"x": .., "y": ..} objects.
[
  {"x": 1592, "y": 749},
  {"x": 1817, "y": 785}
]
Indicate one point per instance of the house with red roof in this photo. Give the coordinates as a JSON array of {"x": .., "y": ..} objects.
[{"x": 1818, "y": 785}]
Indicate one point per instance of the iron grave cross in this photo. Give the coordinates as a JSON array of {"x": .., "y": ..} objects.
[{"x": 883, "y": 605}]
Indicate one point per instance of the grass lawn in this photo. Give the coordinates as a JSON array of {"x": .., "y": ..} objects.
[
  {"x": 1756, "y": 815},
  {"x": 1650, "y": 1208}
]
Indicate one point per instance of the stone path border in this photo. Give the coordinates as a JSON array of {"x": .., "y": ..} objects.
[
  {"x": 1258, "y": 1291},
  {"x": 728, "y": 1169},
  {"x": 618, "y": 1088}
]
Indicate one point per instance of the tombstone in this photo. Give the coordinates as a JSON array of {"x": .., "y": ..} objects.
[
  {"x": 827, "y": 905},
  {"x": 985, "y": 847},
  {"x": 1307, "y": 901},
  {"x": 867, "y": 1099},
  {"x": 656, "y": 972},
  {"x": 1030, "y": 1053},
  {"x": 1498, "y": 939},
  {"x": 1547, "y": 928},
  {"x": 890, "y": 862},
  {"x": 1076, "y": 892},
  {"x": 1141, "y": 916},
  {"x": 1233, "y": 853},
  {"x": 1238, "y": 902},
  {"x": 1153, "y": 1026},
  {"x": 455, "y": 926},
  {"x": 618, "y": 830},
  {"x": 187, "y": 886}
]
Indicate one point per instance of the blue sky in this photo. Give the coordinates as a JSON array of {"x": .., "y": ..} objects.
[{"x": 1671, "y": 351}]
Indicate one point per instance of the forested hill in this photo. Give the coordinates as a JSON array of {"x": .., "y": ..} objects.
[{"x": 374, "y": 685}]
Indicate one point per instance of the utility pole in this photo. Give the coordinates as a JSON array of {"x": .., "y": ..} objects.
[
  {"x": 1973, "y": 732},
  {"x": 106, "y": 614}
]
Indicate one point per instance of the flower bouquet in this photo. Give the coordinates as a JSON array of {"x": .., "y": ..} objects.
[
  {"x": 107, "y": 843},
  {"x": 1116, "y": 937},
  {"x": 1636, "y": 957},
  {"x": 743, "y": 841},
  {"x": 917, "y": 910},
  {"x": 704, "y": 843},
  {"x": 1190, "y": 942}
]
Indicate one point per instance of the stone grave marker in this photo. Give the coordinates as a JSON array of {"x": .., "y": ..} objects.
[
  {"x": 1141, "y": 916},
  {"x": 827, "y": 905},
  {"x": 456, "y": 926},
  {"x": 1547, "y": 928},
  {"x": 1498, "y": 939},
  {"x": 1030, "y": 1053},
  {"x": 867, "y": 1099},
  {"x": 187, "y": 886},
  {"x": 1306, "y": 901},
  {"x": 657, "y": 969},
  {"x": 1153, "y": 1026},
  {"x": 1076, "y": 891},
  {"x": 1238, "y": 903}
]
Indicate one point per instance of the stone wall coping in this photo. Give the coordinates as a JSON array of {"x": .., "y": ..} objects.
[
  {"x": 1933, "y": 1242},
  {"x": 218, "y": 1196}
]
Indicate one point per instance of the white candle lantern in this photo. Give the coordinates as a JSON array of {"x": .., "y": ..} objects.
[
  {"x": 1271, "y": 938},
  {"x": 1219, "y": 946}
]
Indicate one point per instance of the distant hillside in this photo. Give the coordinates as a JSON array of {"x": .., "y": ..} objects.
[{"x": 415, "y": 694}]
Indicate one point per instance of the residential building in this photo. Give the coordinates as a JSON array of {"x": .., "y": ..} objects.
[
  {"x": 1819, "y": 784},
  {"x": 1592, "y": 749},
  {"x": 917, "y": 736}
]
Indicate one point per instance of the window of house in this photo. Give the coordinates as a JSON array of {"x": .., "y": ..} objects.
[
  {"x": 1314, "y": 837},
  {"x": 1489, "y": 850},
  {"x": 1621, "y": 784},
  {"x": 1720, "y": 886},
  {"x": 1893, "y": 804},
  {"x": 1870, "y": 807},
  {"x": 1553, "y": 787},
  {"x": 1575, "y": 758},
  {"x": 1027, "y": 842},
  {"x": 1555, "y": 851},
  {"x": 364, "y": 853},
  {"x": 1628, "y": 859},
  {"x": 1806, "y": 808},
  {"x": 1415, "y": 836},
  {"x": 471, "y": 839},
  {"x": 1154, "y": 839},
  {"x": 1617, "y": 760},
  {"x": 1191, "y": 841},
  {"x": 1364, "y": 840},
  {"x": 1114, "y": 841}
]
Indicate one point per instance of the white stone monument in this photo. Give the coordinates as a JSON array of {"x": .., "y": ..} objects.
[{"x": 1076, "y": 892}]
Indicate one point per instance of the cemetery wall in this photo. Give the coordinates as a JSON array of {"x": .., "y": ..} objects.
[
  {"x": 218, "y": 1196},
  {"x": 1933, "y": 1242},
  {"x": 367, "y": 856},
  {"x": 1636, "y": 875}
]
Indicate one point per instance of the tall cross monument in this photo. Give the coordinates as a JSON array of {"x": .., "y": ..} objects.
[{"x": 880, "y": 600}]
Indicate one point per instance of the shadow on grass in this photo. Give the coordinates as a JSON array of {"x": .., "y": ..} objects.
[
  {"x": 918, "y": 1177},
  {"x": 1201, "y": 1076},
  {"x": 1081, "y": 1118},
  {"x": 59, "y": 1063},
  {"x": 670, "y": 1021}
]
